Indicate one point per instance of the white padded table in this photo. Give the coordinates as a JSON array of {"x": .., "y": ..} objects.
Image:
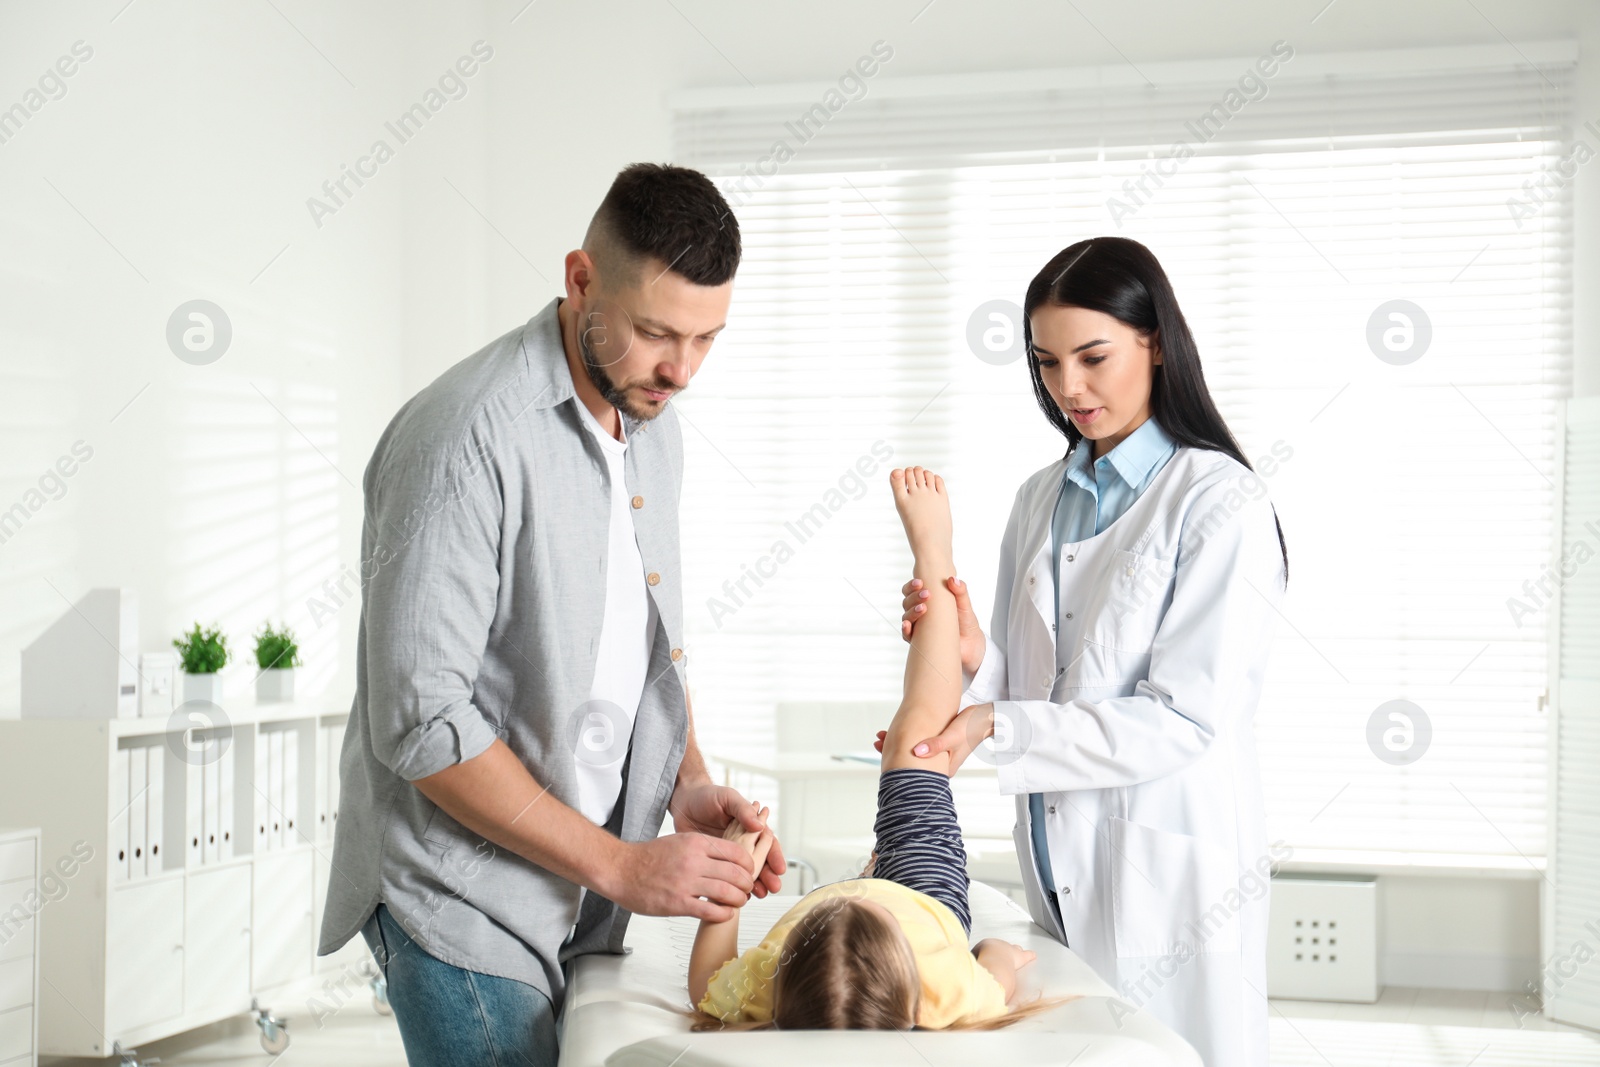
[{"x": 620, "y": 1010}]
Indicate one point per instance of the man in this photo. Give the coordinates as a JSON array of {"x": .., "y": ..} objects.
[{"x": 521, "y": 719}]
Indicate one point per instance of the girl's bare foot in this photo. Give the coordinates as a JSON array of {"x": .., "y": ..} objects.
[{"x": 924, "y": 508}]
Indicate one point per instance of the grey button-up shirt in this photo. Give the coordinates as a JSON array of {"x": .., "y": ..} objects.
[{"x": 483, "y": 580}]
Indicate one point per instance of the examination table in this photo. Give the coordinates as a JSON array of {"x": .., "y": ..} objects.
[{"x": 619, "y": 1010}]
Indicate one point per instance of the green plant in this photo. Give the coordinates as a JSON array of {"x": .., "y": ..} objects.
[
  {"x": 202, "y": 651},
  {"x": 276, "y": 649}
]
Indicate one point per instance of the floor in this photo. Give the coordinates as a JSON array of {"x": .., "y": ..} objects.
[
  {"x": 1406, "y": 1028},
  {"x": 1426, "y": 1028}
]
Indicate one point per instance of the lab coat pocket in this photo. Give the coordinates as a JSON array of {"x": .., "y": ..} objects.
[
  {"x": 1172, "y": 894},
  {"x": 1116, "y": 642},
  {"x": 1135, "y": 598}
]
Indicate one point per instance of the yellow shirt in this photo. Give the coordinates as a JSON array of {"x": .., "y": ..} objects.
[{"x": 955, "y": 986}]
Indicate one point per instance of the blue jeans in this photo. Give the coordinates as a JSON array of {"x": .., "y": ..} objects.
[{"x": 451, "y": 1017}]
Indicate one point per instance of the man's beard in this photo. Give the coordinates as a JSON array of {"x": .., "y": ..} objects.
[{"x": 615, "y": 396}]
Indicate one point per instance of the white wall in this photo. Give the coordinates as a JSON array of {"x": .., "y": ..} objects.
[{"x": 178, "y": 165}]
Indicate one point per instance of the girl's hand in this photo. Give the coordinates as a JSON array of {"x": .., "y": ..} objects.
[
  {"x": 756, "y": 843},
  {"x": 1021, "y": 957},
  {"x": 973, "y": 643}
]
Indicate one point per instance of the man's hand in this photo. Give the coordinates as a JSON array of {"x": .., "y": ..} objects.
[
  {"x": 669, "y": 875},
  {"x": 964, "y": 733},
  {"x": 709, "y": 808},
  {"x": 973, "y": 643}
]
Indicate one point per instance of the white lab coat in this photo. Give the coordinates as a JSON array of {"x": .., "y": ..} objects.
[{"x": 1143, "y": 743}]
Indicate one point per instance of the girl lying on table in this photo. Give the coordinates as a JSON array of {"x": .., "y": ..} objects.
[{"x": 886, "y": 950}]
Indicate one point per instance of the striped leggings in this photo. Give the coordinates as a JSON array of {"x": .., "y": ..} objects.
[{"x": 919, "y": 839}]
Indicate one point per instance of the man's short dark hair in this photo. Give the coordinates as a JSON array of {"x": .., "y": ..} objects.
[{"x": 672, "y": 214}]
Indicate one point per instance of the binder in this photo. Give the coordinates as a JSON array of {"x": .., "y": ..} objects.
[
  {"x": 275, "y": 789},
  {"x": 121, "y": 792},
  {"x": 156, "y": 809},
  {"x": 193, "y": 813},
  {"x": 225, "y": 800},
  {"x": 324, "y": 827},
  {"x": 258, "y": 794},
  {"x": 138, "y": 802},
  {"x": 208, "y": 811},
  {"x": 293, "y": 832}
]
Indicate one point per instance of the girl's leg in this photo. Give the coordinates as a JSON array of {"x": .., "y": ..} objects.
[
  {"x": 918, "y": 836},
  {"x": 933, "y": 680}
]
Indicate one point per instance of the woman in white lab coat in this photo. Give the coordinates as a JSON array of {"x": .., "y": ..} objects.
[{"x": 1140, "y": 579}]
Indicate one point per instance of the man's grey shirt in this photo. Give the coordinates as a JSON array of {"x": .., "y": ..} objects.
[{"x": 483, "y": 576}]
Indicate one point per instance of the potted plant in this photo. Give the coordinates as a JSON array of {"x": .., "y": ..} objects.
[
  {"x": 204, "y": 653},
  {"x": 277, "y": 655}
]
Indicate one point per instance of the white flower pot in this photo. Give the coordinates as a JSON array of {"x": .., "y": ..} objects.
[
  {"x": 275, "y": 686},
  {"x": 207, "y": 687}
]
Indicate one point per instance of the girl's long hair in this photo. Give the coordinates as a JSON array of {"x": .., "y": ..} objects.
[
  {"x": 846, "y": 967},
  {"x": 1122, "y": 278}
]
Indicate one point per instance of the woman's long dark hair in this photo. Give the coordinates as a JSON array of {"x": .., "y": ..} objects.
[{"x": 1122, "y": 278}]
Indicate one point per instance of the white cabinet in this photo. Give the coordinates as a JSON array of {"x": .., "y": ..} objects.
[
  {"x": 144, "y": 954},
  {"x": 19, "y": 947},
  {"x": 217, "y": 921},
  {"x": 173, "y": 910},
  {"x": 283, "y": 908}
]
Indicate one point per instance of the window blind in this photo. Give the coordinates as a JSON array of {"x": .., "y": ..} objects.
[{"x": 1417, "y": 497}]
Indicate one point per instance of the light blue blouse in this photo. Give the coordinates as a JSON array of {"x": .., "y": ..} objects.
[{"x": 1093, "y": 495}]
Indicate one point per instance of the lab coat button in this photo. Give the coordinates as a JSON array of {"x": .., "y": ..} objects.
[
  {"x": 1030, "y": 579},
  {"x": 1069, "y": 558},
  {"x": 1069, "y": 614},
  {"x": 653, "y": 578},
  {"x": 1052, "y": 809}
]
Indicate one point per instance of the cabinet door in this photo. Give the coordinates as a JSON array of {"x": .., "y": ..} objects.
[
  {"x": 144, "y": 949},
  {"x": 281, "y": 921},
  {"x": 216, "y": 974}
]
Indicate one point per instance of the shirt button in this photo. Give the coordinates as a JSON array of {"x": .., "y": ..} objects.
[
  {"x": 653, "y": 578},
  {"x": 1030, "y": 579},
  {"x": 638, "y": 502},
  {"x": 677, "y": 653}
]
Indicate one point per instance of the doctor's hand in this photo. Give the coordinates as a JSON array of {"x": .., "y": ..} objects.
[
  {"x": 709, "y": 808},
  {"x": 964, "y": 733},
  {"x": 973, "y": 644}
]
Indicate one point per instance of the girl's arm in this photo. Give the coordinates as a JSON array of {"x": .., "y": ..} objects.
[
  {"x": 715, "y": 943},
  {"x": 1001, "y": 959}
]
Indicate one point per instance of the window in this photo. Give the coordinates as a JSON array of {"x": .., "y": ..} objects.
[{"x": 1417, "y": 499}]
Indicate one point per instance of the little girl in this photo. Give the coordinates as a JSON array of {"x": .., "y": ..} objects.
[{"x": 888, "y": 949}]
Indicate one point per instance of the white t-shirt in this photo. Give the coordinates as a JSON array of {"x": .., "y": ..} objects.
[{"x": 626, "y": 632}]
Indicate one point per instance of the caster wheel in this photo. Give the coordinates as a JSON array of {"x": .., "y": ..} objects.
[{"x": 274, "y": 1039}]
